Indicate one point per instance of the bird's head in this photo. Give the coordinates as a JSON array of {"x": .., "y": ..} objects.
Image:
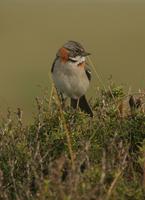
[{"x": 72, "y": 51}]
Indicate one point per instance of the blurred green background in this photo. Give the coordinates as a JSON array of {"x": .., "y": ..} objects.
[{"x": 31, "y": 31}]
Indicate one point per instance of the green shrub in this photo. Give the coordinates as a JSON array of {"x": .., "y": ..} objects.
[{"x": 107, "y": 153}]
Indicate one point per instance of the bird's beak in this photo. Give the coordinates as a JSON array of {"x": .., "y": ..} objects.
[{"x": 85, "y": 54}]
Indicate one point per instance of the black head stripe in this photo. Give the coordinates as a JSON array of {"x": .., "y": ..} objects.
[{"x": 75, "y": 48}]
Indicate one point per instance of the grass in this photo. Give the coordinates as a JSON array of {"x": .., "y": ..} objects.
[{"x": 67, "y": 155}]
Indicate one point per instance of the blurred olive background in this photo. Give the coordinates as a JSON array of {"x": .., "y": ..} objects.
[{"x": 31, "y": 31}]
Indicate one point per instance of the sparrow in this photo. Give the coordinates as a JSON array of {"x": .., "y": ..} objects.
[{"x": 71, "y": 74}]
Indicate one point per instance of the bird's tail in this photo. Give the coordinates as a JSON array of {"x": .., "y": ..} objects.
[{"x": 83, "y": 104}]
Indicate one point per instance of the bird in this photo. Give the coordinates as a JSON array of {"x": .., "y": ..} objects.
[{"x": 71, "y": 74}]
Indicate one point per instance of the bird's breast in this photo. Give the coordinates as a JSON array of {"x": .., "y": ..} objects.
[{"x": 70, "y": 79}]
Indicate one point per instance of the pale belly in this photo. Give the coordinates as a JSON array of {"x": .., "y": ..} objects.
[{"x": 73, "y": 82}]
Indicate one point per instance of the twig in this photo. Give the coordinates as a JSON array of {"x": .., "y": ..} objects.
[
  {"x": 97, "y": 74},
  {"x": 103, "y": 168},
  {"x": 51, "y": 95},
  {"x": 67, "y": 132},
  {"x": 118, "y": 174}
]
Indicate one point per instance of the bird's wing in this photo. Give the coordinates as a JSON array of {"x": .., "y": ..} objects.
[
  {"x": 88, "y": 72},
  {"x": 52, "y": 68}
]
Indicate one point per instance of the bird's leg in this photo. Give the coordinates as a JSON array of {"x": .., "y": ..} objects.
[{"x": 77, "y": 107}]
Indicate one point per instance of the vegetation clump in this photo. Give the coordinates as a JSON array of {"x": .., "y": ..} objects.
[{"x": 68, "y": 155}]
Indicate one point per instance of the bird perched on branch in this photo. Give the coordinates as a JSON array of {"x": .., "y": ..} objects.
[{"x": 71, "y": 74}]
